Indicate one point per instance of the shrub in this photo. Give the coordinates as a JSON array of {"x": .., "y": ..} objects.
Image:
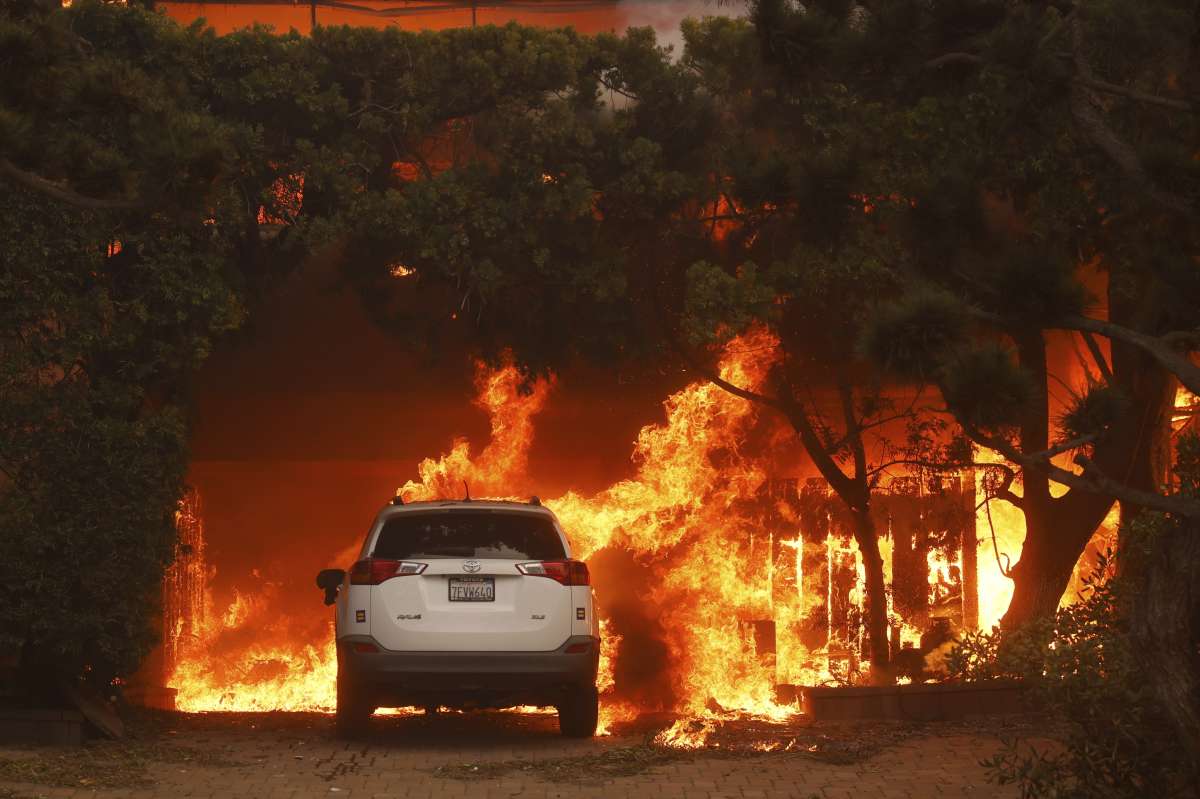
[{"x": 1081, "y": 668}]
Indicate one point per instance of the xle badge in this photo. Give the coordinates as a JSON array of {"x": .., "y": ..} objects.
[{"x": 360, "y": 616}]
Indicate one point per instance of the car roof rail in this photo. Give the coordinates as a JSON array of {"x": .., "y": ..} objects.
[
  {"x": 534, "y": 500},
  {"x": 397, "y": 500}
]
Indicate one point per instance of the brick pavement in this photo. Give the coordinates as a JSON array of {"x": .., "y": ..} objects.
[{"x": 268, "y": 758}]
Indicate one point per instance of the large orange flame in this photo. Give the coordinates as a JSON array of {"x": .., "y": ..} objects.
[{"x": 744, "y": 597}]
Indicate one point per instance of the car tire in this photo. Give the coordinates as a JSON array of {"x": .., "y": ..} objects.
[
  {"x": 354, "y": 708},
  {"x": 579, "y": 713}
]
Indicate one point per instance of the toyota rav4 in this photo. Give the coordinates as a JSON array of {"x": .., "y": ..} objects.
[{"x": 465, "y": 604}]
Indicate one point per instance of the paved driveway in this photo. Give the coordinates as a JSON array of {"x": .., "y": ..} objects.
[{"x": 491, "y": 755}]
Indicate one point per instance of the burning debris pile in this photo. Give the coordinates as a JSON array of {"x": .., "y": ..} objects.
[{"x": 722, "y": 588}]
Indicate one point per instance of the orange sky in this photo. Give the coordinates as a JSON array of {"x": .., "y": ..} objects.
[{"x": 586, "y": 16}]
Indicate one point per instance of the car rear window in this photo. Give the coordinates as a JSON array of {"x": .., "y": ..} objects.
[{"x": 465, "y": 534}]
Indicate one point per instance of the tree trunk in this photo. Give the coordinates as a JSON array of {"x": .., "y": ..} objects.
[
  {"x": 1166, "y": 633},
  {"x": 1038, "y": 578},
  {"x": 1056, "y": 529},
  {"x": 1042, "y": 574},
  {"x": 1138, "y": 449},
  {"x": 876, "y": 615}
]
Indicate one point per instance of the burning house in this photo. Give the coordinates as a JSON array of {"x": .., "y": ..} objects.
[{"x": 725, "y": 587}]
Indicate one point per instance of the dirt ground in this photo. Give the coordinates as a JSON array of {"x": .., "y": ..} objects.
[{"x": 496, "y": 754}]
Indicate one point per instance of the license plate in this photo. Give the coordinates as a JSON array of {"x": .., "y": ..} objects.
[{"x": 472, "y": 589}]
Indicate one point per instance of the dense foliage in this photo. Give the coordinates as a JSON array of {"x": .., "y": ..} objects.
[
  {"x": 1081, "y": 666},
  {"x": 157, "y": 180},
  {"x": 1093, "y": 665},
  {"x": 906, "y": 193},
  {"x": 112, "y": 289},
  {"x": 154, "y": 181}
]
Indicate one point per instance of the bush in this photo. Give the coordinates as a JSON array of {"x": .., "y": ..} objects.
[{"x": 1081, "y": 668}]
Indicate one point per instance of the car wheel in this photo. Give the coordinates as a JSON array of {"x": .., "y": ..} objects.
[
  {"x": 579, "y": 712},
  {"x": 354, "y": 708}
]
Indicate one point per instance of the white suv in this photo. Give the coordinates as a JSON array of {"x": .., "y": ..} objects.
[{"x": 465, "y": 604}]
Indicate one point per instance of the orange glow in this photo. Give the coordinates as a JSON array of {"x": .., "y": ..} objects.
[
  {"x": 289, "y": 195},
  {"x": 746, "y": 593},
  {"x": 1186, "y": 407},
  {"x": 583, "y": 15},
  {"x": 501, "y": 466}
]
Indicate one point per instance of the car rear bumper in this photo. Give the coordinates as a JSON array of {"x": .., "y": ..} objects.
[{"x": 490, "y": 678}]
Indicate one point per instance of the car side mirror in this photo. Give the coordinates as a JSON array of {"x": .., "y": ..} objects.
[{"x": 329, "y": 580}]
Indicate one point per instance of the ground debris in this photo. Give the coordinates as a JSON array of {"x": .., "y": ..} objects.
[
  {"x": 9, "y": 793},
  {"x": 617, "y": 761},
  {"x": 839, "y": 744},
  {"x": 103, "y": 764}
]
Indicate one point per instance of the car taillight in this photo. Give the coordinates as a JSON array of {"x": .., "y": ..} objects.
[
  {"x": 567, "y": 572},
  {"x": 374, "y": 571}
]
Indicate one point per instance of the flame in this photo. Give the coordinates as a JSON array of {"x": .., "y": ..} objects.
[
  {"x": 687, "y": 733},
  {"x": 511, "y": 403},
  {"x": 746, "y": 591},
  {"x": 287, "y": 197},
  {"x": 1185, "y": 407},
  {"x": 609, "y": 643}
]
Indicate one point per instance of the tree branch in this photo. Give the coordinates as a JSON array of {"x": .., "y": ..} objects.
[
  {"x": 784, "y": 401},
  {"x": 696, "y": 365},
  {"x": 1097, "y": 355},
  {"x": 853, "y": 430},
  {"x": 1105, "y": 139},
  {"x": 61, "y": 193},
  {"x": 854, "y": 492},
  {"x": 1057, "y": 28},
  {"x": 1065, "y": 446},
  {"x": 1092, "y": 480},
  {"x": 1135, "y": 94},
  {"x": 954, "y": 58},
  {"x": 1005, "y": 491},
  {"x": 1157, "y": 348}
]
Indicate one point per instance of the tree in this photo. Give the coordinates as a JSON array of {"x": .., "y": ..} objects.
[
  {"x": 967, "y": 147},
  {"x": 156, "y": 181},
  {"x": 610, "y": 231},
  {"x": 145, "y": 189},
  {"x": 1016, "y": 282},
  {"x": 818, "y": 303}
]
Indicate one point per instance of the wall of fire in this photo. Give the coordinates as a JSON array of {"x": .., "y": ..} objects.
[{"x": 805, "y": 548}]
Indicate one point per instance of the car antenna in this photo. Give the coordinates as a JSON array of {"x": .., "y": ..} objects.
[{"x": 466, "y": 488}]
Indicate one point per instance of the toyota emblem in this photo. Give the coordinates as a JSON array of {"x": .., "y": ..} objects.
[{"x": 471, "y": 566}]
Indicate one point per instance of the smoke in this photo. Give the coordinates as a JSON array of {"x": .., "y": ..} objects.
[
  {"x": 642, "y": 671},
  {"x": 665, "y": 17}
]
